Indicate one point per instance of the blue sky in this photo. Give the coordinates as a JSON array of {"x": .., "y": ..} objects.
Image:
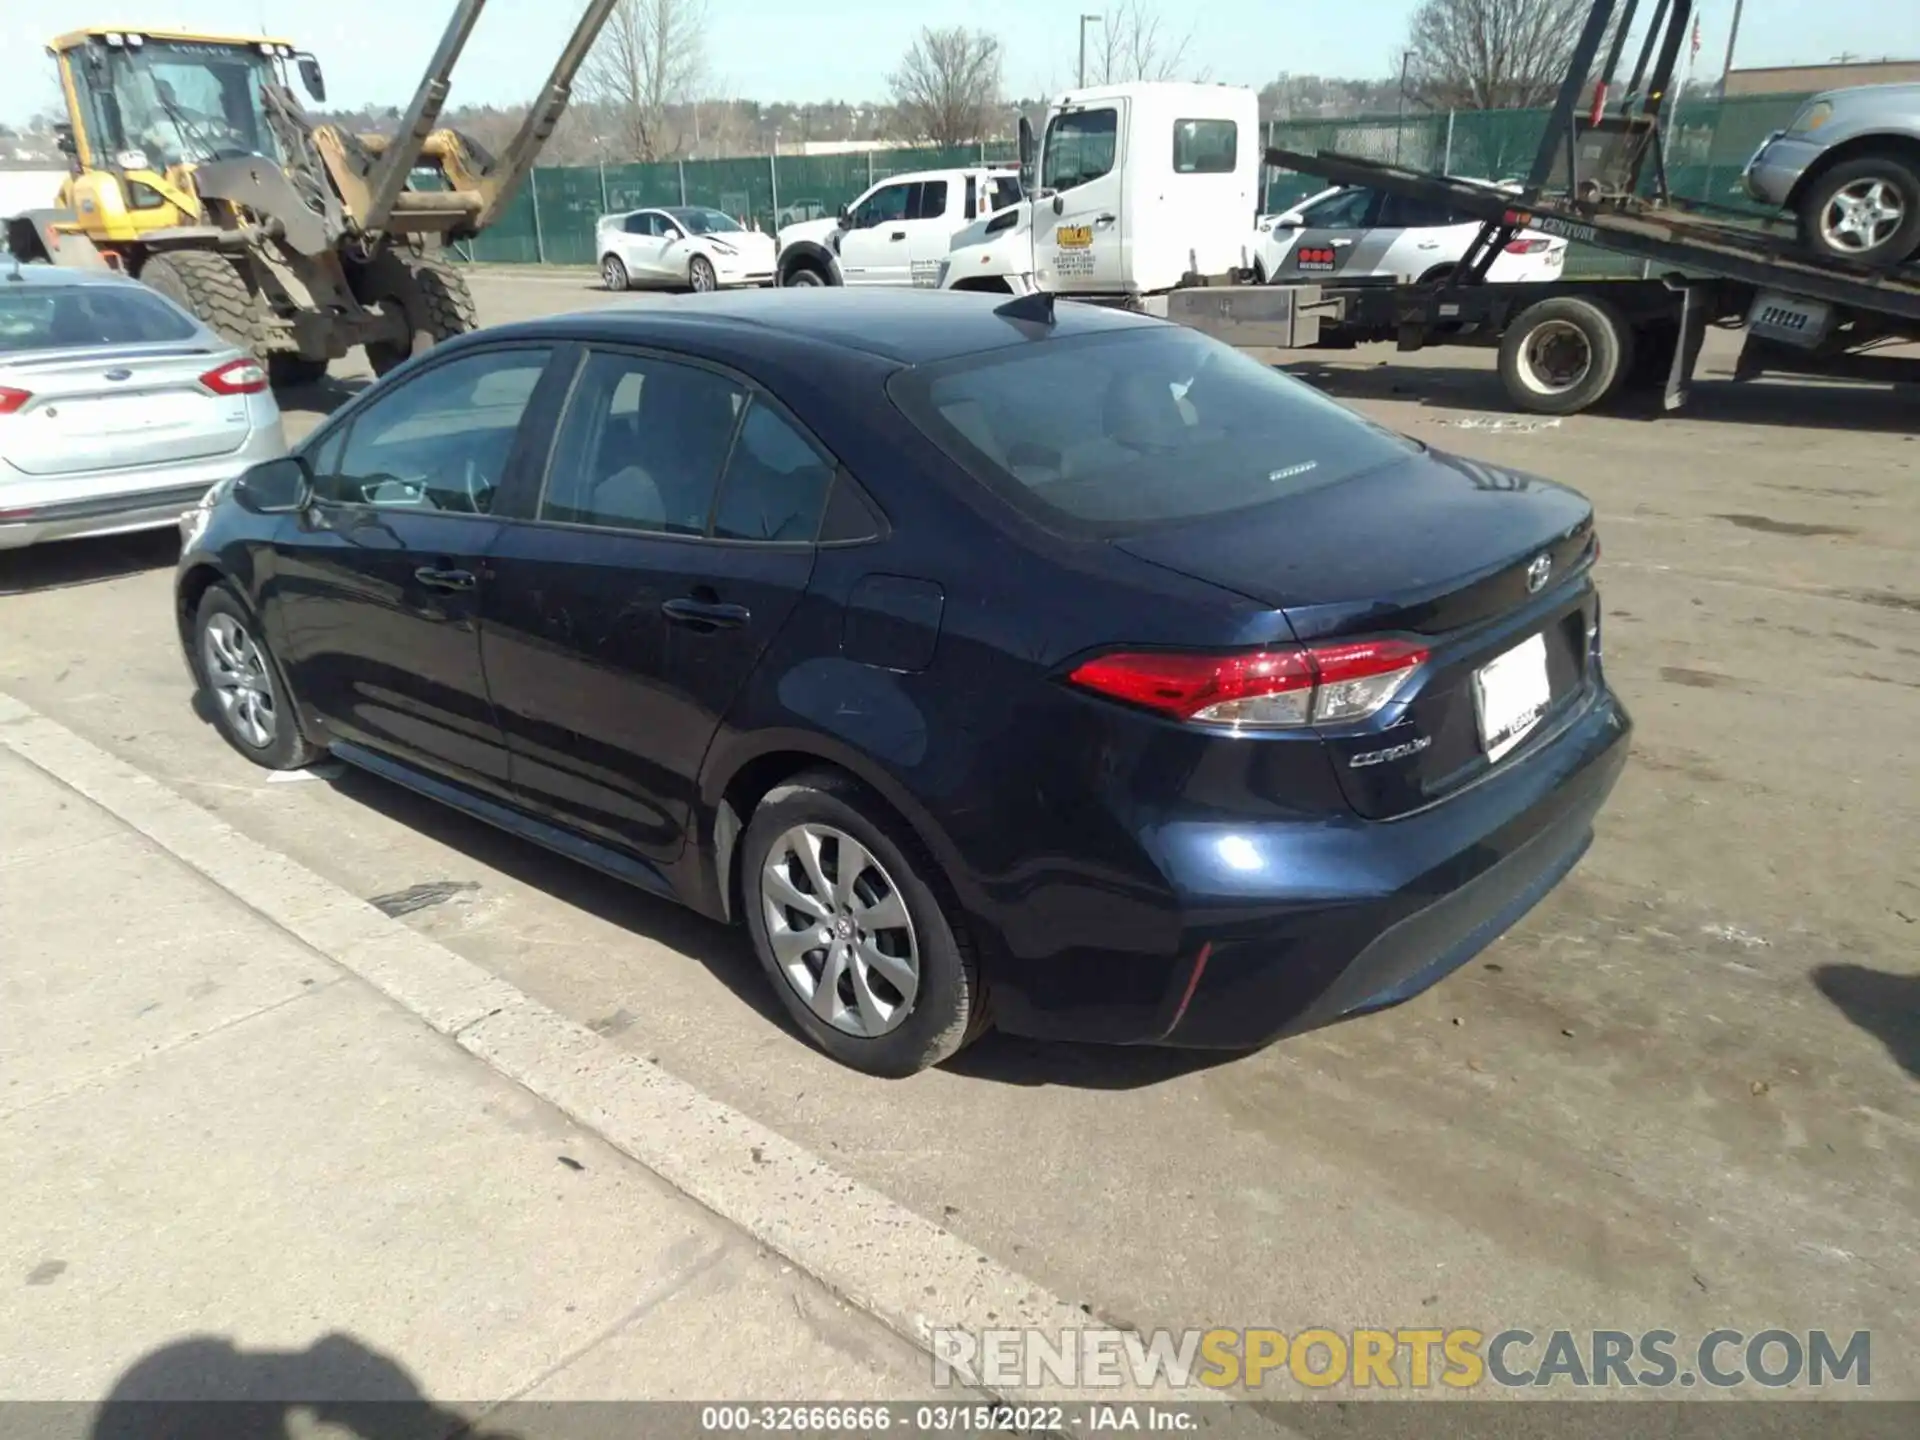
[{"x": 825, "y": 49}]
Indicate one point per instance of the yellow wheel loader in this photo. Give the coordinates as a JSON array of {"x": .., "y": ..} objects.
[{"x": 197, "y": 170}]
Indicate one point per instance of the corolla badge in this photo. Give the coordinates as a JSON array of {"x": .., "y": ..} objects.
[
  {"x": 1392, "y": 752},
  {"x": 1538, "y": 573}
]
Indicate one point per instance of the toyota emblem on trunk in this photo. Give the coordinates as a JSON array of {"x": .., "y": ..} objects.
[{"x": 1537, "y": 573}]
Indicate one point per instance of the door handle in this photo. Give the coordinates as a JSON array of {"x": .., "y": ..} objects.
[
  {"x": 706, "y": 614},
  {"x": 435, "y": 578},
  {"x": 1104, "y": 219},
  {"x": 898, "y": 235}
]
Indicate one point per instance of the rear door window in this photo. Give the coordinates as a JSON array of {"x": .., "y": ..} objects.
[
  {"x": 930, "y": 201},
  {"x": 1111, "y": 435}
]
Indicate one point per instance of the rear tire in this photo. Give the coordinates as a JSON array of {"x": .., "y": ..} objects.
[
  {"x": 1565, "y": 355},
  {"x": 252, "y": 706},
  {"x": 431, "y": 296},
  {"x": 212, "y": 288},
  {"x": 804, "y": 277},
  {"x": 1864, "y": 211},
  {"x": 922, "y": 935}
]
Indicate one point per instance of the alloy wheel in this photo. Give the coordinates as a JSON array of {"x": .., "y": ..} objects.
[
  {"x": 840, "y": 930},
  {"x": 237, "y": 672},
  {"x": 1862, "y": 216}
]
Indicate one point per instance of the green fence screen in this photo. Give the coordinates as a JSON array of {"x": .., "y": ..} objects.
[{"x": 551, "y": 219}]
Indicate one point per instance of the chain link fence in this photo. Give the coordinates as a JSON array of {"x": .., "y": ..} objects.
[{"x": 551, "y": 219}]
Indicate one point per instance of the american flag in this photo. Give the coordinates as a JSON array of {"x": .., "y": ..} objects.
[{"x": 1694, "y": 53}]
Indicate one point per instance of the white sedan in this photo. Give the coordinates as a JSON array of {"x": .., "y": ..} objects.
[
  {"x": 1352, "y": 232},
  {"x": 686, "y": 247}
]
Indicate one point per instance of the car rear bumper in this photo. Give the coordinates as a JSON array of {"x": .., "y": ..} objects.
[
  {"x": 35, "y": 509},
  {"x": 1337, "y": 919}
]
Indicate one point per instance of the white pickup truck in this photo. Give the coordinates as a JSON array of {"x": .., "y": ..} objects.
[
  {"x": 897, "y": 232},
  {"x": 1141, "y": 187}
]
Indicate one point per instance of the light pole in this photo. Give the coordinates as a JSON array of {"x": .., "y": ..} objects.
[
  {"x": 1083, "y": 49},
  {"x": 1733, "y": 34},
  {"x": 1401, "y": 123}
]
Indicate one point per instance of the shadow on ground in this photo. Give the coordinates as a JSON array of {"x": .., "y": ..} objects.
[
  {"x": 728, "y": 955},
  {"x": 1797, "y": 403},
  {"x": 206, "y": 1388},
  {"x": 62, "y": 563},
  {"x": 1885, "y": 1005}
]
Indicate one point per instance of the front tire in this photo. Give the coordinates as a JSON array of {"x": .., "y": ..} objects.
[
  {"x": 804, "y": 277},
  {"x": 1864, "y": 212},
  {"x": 431, "y": 297},
  {"x": 869, "y": 961},
  {"x": 237, "y": 673},
  {"x": 1565, "y": 355},
  {"x": 701, "y": 278},
  {"x": 613, "y": 274}
]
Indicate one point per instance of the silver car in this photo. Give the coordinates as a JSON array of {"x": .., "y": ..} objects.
[
  {"x": 1848, "y": 166},
  {"x": 118, "y": 409}
]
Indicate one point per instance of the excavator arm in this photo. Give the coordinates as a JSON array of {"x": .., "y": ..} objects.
[{"x": 493, "y": 188}]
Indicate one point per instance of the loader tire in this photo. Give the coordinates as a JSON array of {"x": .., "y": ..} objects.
[
  {"x": 433, "y": 297},
  {"x": 212, "y": 288}
]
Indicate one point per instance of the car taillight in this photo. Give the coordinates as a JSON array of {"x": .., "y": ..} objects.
[
  {"x": 1264, "y": 689},
  {"x": 236, "y": 377},
  {"x": 12, "y": 400},
  {"x": 1526, "y": 245}
]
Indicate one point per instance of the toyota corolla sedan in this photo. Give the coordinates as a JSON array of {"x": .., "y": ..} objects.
[
  {"x": 1084, "y": 678},
  {"x": 118, "y": 409}
]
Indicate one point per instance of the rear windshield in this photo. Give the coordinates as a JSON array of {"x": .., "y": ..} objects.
[
  {"x": 1114, "y": 434},
  {"x": 53, "y": 317}
]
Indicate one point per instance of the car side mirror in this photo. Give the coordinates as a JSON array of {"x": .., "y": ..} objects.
[
  {"x": 275, "y": 487},
  {"x": 1026, "y": 157},
  {"x": 846, "y": 217},
  {"x": 1059, "y": 203},
  {"x": 63, "y": 140},
  {"x": 1287, "y": 222},
  {"x": 311, "y": 77}
]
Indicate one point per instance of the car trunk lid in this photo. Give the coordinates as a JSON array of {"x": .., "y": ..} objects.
[
  {"x": 1473, "y": 562},
  {"x": 117, "y": 407}
]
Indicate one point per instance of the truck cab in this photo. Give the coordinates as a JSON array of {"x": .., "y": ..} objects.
[
  {"x": 897, "y": 231},
  {"x": 1139, "y": 188}
]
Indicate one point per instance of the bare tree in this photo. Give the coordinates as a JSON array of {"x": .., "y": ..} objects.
[
  {"x": 1491, "y": 54},
  {"x": 650, "y": 56},
  {"x": 948, "y": 85},
  {"x": 1136, "y": 44}
]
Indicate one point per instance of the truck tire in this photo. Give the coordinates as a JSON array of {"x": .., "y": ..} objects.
[
  {"x": 431, "y": 295},
  {"x": 803, "y": 275},
  {"x": 212, "y": 288},
  {"x": 1564, "y": 355},
  {"x": 1864, "y": 211}
]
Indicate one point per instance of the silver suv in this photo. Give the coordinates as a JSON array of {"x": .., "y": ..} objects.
[{"x": 1849, "y": 167}]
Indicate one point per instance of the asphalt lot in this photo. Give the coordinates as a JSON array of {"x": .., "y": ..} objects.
[{"x": 1681, "y": 1094}]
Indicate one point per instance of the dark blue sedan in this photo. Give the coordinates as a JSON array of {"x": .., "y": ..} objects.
[{"x": 1086, "y": 678}]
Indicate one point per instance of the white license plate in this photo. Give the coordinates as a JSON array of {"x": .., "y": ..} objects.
[
  {"x": 1510, "y": 694},
  {"x": 1791, "y": 321}
]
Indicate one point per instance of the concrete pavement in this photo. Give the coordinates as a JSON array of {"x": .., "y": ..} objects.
[{"x": 232, "y": 1162}]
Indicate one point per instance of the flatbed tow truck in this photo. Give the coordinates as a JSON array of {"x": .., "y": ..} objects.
[{"x": 1599, "y": 179}]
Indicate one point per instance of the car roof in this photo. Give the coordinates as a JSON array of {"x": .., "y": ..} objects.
[
  {"x": 908, "y": 326},
  {"x": 32, "y": 274}
]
